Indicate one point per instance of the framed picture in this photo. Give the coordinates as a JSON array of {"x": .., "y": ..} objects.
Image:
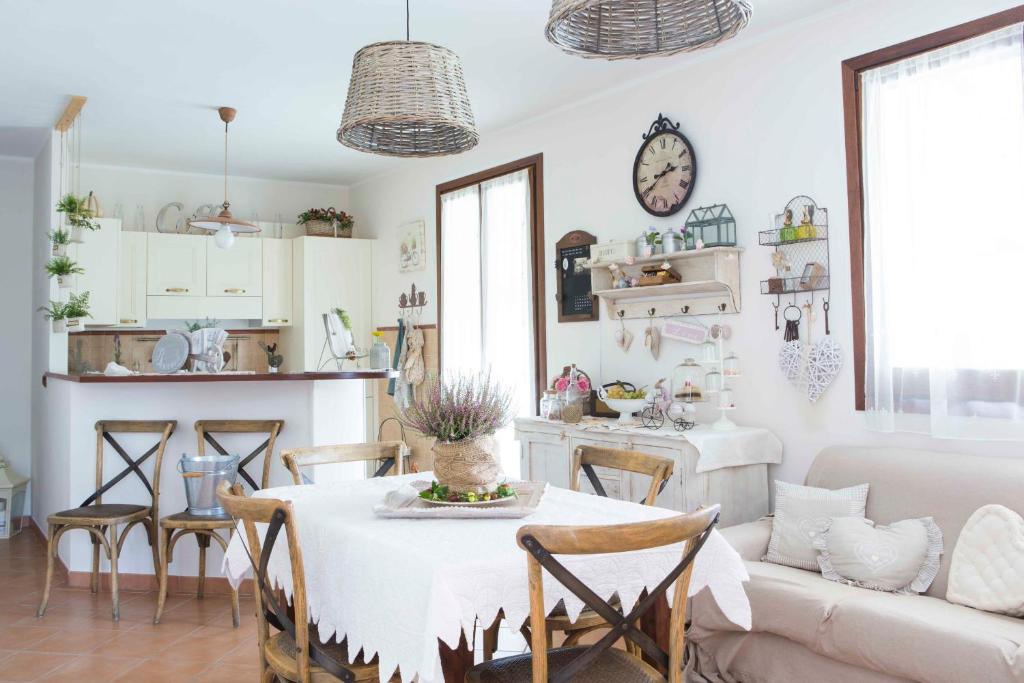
[
  {"x": 412, "y": 248},
  {"x": 813, "y": 276}
]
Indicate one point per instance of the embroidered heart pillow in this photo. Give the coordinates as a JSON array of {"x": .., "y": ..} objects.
[
  {"x": 802, "y": 513},
  {"x": 987, "y": 568}
]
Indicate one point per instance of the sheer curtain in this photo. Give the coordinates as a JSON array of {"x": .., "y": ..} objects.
[
  {"x": 943, "y": 166},
  {"x": 487, "y": 322}
]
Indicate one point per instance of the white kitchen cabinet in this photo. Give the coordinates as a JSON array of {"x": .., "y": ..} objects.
[
  {"x": 217, "y": 307},
  {"x": 176, "y": 265},
  {"x": 236, "y": 271},
  {"x": 131, "y": 290},
  {"x": 546, "y": 457},
  {"x": 98, "y": 255},
  {"x": 277, "y": 283}
]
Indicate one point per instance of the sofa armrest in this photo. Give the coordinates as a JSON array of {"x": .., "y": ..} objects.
[{"x": 750, "y": 540}]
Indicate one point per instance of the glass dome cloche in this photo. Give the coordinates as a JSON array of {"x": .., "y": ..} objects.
[{"x": 687, "y": 380}]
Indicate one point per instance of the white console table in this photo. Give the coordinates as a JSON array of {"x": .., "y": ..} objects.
[{"x": 739, "y": 484}]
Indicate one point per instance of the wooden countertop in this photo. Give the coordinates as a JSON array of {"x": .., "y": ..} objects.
[{"x": 223, "y": 377}]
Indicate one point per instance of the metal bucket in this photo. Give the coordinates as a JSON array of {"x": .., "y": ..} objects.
[{"x": 202, "y": 475}]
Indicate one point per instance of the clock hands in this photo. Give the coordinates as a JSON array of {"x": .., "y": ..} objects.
[{"x": 668, "y": 169}]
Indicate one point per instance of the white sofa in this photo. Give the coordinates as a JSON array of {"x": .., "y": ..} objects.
[{"x": 806, "y": 628}]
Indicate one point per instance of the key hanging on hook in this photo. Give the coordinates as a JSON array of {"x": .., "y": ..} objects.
[
  {"x": 824, "y": 305},
  {"x": 776, "y": 307}
]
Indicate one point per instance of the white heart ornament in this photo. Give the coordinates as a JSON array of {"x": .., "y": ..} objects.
[
  {"x": 824, "y": 361},
  {"x": 987, "y": 568}
]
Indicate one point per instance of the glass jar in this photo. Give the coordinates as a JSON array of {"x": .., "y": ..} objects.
[
  {"x": 379, "y": 355},
  {"x": 671, "y": 242},
  {"x": 687, "y": 378},
  {"x": 709, "y": 351},
  {"x": 731, "y": 365},
  {"x": 713, "y": 382},
  {"x": 551, "y": 405},
  {"x": 725, "y": 400}
]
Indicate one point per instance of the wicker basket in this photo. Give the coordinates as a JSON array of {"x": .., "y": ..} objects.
[
  {"x": 465, "y": 466},
  {"x": 326, "y": 229}
]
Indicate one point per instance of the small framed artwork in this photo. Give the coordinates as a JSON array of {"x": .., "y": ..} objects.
[
  {"x": 813, "y": 276},
  {"x": 412, "y": 254}
]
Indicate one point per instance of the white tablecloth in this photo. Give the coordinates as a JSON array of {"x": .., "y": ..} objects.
[{"x": 394, "y": 586}]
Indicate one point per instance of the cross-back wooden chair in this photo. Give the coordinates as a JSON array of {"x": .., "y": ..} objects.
[
  {"x": 584, "y": 460},
  {"x": 599, "y": 663},
  {"x": 206, "y": 527},
  {"x": 99, "y": 518},
  {"x": 390, "y": 455},
  {"x": 294, "y": 652}
]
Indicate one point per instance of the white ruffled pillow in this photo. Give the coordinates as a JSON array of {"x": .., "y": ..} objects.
[{"x": 902, "y": 557}]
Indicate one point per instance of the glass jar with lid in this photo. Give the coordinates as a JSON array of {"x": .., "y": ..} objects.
[
  {"x": 731, "y": 365},
  {"x": 551, "y": 405},
  {"x": 713, "y": 382},
  {"x": 709, "y": 352},
  {"x": 687, "y": 378}
]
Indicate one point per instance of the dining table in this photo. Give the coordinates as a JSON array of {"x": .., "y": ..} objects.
[{"x": 413, "y": 591}]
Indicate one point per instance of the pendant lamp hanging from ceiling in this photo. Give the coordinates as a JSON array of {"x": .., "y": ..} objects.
[
  {"x": 636, "y": 29},
  {"x": 407, "y": 99},
  {"x": 224, "y": 225}
]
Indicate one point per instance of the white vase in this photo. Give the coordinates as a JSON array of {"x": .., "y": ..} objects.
[
  {"x": 60, "y": 250},
  {"x": 64, "y": 281},
  {"x": 60, "y": 326},
  {"x": 77, "y": 234},
  {"x": 272, "y": 370}
]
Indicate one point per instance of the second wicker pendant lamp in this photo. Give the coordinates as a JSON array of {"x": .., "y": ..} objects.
[{"x": 407, "y": 99}]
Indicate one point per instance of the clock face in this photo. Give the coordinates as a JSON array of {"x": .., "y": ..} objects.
[{"x": 664, "y": 173}]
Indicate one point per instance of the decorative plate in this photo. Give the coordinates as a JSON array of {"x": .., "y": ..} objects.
[
  {"x": 171, "y": 353},
  {"x": 424, "y": 485}
]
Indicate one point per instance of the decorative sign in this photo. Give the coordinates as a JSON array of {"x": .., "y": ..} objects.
[
  {"x": 575, "y": 297},
  {"x": 412, "y": 247}
]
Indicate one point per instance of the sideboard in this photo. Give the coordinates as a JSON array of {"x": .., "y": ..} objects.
[{"x": 546, "y": 449}]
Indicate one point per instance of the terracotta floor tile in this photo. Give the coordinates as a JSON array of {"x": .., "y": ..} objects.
[
  {"x": 230, "y": 673},
  {"x": 21, "y": 637},
  {"x": 29, "y": 666},
  {"x": 245, "y": 653},
  {"x": 90, "y": 668},
  {"x": 168, "y": 671},
  {"x": 131, "y": 644},
  {"x": 74, "y": 641}
]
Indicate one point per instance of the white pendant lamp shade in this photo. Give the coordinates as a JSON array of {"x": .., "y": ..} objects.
[
  {"x": 635, "y": 29},
  {"x": 224, "y": 222}
]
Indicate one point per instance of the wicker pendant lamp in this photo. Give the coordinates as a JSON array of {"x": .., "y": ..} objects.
[
  {"x": 407, "y": 99},
  {"x": 637, "y": 29}
]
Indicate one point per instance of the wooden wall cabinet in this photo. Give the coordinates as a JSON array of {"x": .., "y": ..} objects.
[
  {"x": 277, "y": 283},
  {"x": 99, "y": 256},
  {"x": 131, "y": 289}
]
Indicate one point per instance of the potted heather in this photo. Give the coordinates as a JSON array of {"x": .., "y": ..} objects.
[
  {"x": 75, "y": 309},
  {"x": 55, "y": 313},
  {"x": 462, "y": 412},
  {"x": 62, "y": 268},
  {"x": 327, "y": 222},
  {"x": 60, "y": 239},
  {"x": 77, "y": 216}
]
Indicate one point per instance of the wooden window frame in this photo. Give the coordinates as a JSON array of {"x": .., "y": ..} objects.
[
  {"x": 851, "y": 70},
  {"x": 535, "y": 166}
]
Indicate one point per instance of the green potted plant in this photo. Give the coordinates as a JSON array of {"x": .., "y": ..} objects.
[
  {"x": 77, "y": 216},
  {"x": 327, "y": 222},
  {"x": 274, "y": 359},
  {"x": 62, "y": 268},
  {"x": 55, "y": 313},
  {"x": 60, "y": 239},
  {"x": 76, "y": 308}
]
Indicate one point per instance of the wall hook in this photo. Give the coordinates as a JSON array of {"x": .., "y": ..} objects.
[
  {"x": 721, "y": 308},
  {"x": 685, "y": 309},
  {"x": 650, "y": 312},
  {"x": 621, "y": 313}
]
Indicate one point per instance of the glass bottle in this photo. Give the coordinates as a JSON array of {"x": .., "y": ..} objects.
[{"x": 380, "y": 354}]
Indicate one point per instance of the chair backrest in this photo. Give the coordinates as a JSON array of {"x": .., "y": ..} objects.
[
  {"x": 205, "y": 429},
  {"x": 390, "y": 453},
  {"x": 105, "y": 431},
  {"x": 543, "y": 542},
  {"x": 585, "y": 458}
]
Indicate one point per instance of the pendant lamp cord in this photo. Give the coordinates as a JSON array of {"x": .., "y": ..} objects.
[
  {"x": 226, "y": 165},
  {"x": 407, "y": 21}
]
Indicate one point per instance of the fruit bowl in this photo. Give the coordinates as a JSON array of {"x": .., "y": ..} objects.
[{"x": 625, "y": 407}]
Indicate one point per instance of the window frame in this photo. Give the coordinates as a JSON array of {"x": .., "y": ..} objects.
[
  {"x": 534, "y": 164},
  {"x": 851, "y": 70}
]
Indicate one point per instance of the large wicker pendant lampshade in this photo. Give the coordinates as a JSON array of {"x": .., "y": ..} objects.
[
  {"x": 407, "y": 99},
  {"x": 636, "y": 29}
]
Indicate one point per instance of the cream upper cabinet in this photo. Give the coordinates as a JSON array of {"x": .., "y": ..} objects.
[
  {"x": 277, "y": 282},
  {"x": 98, "y": 256},
  {"x": 131, "y": 290},
  {"x": 236, "y": 271},
  {"x": 176, "y": 264}
]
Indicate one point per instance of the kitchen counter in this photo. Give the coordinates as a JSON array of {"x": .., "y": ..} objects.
[{"x": 221, "y": 377}]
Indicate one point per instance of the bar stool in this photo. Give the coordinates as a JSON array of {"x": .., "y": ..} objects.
[
  {"x": 205, "y": 527},
  {"x": 97, "y": 517}
]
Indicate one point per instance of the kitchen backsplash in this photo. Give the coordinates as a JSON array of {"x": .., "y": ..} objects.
[{"x": 90, "y": 351}]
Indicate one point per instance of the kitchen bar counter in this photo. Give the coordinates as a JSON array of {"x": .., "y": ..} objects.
[{"x": 221, "y": 377}]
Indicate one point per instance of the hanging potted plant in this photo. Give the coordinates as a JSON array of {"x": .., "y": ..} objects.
[
  {"x": 462, "y": 412},
  {"x": 60, "y": 239},
  {"x": 75, "y": 309},
  {"x": 62, "y": 268},
  {"x": 77, "y": 216},
  {"x": 55, "y": 313},
  {"x": 327, "y": 222}
]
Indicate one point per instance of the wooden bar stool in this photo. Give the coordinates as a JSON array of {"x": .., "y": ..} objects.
[
  {"x": 97, "y": 517},
  {"x": 205, "y": 527},
  {"x": 389, "y": 454}
]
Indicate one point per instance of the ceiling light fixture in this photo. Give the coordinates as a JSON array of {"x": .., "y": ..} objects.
[
  {"x": 224, "y": 225},
  {"x": 637, "y": 29},
  {"x": 407, "y": 99}
]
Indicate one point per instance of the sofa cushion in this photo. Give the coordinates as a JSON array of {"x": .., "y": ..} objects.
[
  {"x": 987, "y": 571},
  {"x": 905, "y": 636},
  {"x": 804, "y": 512}
]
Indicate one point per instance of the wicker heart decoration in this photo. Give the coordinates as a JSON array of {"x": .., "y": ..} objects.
[
  {"x": 791, "y": 360},
  {"x": 823, "y": 364}
]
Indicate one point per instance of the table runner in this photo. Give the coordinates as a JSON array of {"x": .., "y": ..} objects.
[{"x": 393, "y": 587}]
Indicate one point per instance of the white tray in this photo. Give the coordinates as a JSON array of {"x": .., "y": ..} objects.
[{"x": 404, "y": 503}]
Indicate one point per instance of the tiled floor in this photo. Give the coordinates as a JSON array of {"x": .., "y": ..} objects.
[{"x": 77, "y": 640}]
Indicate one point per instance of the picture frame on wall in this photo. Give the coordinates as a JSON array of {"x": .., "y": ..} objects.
[{"x": 412, "y": 247}]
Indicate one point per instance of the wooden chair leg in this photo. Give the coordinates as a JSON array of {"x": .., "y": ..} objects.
[
  {"x": 153, "y": 532},
  {"x": 161, "y": 599},
  {"x": 490, "y": 638},
  {"x": 94, "y": 580},
  {"x": 236, "y": 617},
  {"x": 114, "y": 587},
  {"x": 51, "y": 550},
  {"x": 204, "y": 543}
]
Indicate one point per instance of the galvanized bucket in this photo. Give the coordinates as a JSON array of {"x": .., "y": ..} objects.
[{"x": 202, "y": 475}]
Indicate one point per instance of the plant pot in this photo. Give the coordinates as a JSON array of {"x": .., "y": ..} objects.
[
  {"x": 60, "y": 250},
  {"x": 60, "y": 325},
  {"x": 64, "y": 281},
  {"x": 272, "y": 370},
  {"x": 77, "y": 234},
  {"x": 73, "y": 324},
  {"x": 465, "y": 466}
]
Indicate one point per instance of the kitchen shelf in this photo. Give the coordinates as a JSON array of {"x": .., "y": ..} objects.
[
  {"x": 772, "y": 238},
  {"x": 638, "y": 261},
  {"x": 791, "y": 285}
]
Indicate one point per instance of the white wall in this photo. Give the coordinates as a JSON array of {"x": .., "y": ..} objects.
[
  {"x": 766, "y": 121},
  {"x": 16, "y": 183}
]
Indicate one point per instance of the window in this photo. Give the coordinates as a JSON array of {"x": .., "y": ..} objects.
[
  {"x": 935, "y": 154},
  {"x": 490, "y": 248}
]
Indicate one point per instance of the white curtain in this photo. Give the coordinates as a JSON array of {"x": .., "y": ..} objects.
[
  {"x": 943, "y": 165},
  {"x": 487, "y": 308}
]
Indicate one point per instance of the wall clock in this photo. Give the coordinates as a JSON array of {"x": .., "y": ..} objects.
[{"x": 665, "y": 169}]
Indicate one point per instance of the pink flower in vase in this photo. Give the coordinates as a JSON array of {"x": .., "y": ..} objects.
[
  {"x": 562, "y": 383},
  {"x": 583, "y": 384}
]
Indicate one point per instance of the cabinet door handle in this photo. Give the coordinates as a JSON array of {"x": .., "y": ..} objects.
[
  {"x": 277, "y": 320},
  {"x": 234, "y": 290},
  {"x": 176, "y": 290},
  {"x": 128, "y": 321}
]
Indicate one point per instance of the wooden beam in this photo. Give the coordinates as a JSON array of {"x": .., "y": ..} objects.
[{"x": 71, "y": 113}]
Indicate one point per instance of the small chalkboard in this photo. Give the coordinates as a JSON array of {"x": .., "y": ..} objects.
[{"x": 575, "y": 297}]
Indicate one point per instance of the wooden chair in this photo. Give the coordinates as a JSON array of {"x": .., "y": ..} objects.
[
  {"x": 294, "y": 652},
  {"x": 599, "y": 663},
  {"x": 391, "y": 455},
  {"x": 97, "y": 517},
  {"x": 205, "y": 527},
  {"x": 584, "y": 460}
]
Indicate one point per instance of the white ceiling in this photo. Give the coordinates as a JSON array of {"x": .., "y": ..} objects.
[{"x": 154, "y": 73}]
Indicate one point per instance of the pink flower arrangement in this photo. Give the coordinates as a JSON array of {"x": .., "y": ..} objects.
[
  {"x": 564, "y": 382},
  {"x": 459, "y": 407}
]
